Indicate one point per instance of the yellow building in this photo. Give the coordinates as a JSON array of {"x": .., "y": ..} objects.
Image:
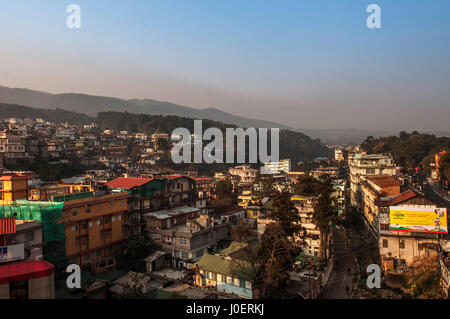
[
  {"x": 13, "y": 187},
  {"x": 94, "y": 229}
]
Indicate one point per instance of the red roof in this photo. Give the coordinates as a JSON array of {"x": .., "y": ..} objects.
[
  {"x": 127, "y": 182},
  {"x": 171, "y": 176},
  {"x": 400, "y": 198},
  {"x": 199, "y": 179},
  {"x": 25, "y": 270},
  {"x": 7, "y": 225}
]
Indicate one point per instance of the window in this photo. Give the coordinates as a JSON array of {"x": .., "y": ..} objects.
[
  {"x": 105, "y": 234},
  {"x": 98, "y": 253},
  {"x": 86, "y": 257},
  {"x": 122, "y": 203},
  {"x": 183, "y": 241},
  {"x": 385, "y": 243},
  {"x": 75, "y": 228},
  {"x": 84, "y": 241},
  {"x": 111, "y": 205},
  {"x": 18, "y": 289},
  {"x": 199, "y": 253},
  {"x": 401, "y": 244},
  {"x": 99, "y": 222},
  {"x": 242, "y": 283},
  {"x": 74, "y": 212},
  {"x": 384, "y": 226},
  {"x": 106, "y": 220},
  {"x": 83, "y": 226},
  {"x": 29, "y": 236},
  {"x": 88, "y": 209},
  {"x": 184, "y": 255},
  {"x": 100, "y": 207},
  {"x": 220, "y": 278},
  {"x": 236, "y": 281},
  {"x": 420, "y": 246},
  {"x": 229, "y": 280},
  {"x": 120, "y": 217},
  {"x": 248, "y": 285},
  {"x": 113, "y": 219}
]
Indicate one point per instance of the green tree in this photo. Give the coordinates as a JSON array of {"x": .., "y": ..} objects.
[
  {"x": 224, "y": 188},
  {"x": 324, "y": 213}
]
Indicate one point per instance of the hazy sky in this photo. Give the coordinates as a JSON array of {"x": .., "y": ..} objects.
[{"x": 307, "y": 64}]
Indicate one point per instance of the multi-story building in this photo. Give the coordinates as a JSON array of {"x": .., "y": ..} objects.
[
  {"x": 398, "y": 248},
  {"x": 229, "y": 272},
  {"x": 158, "y": 136},
  {"x": 13, "y": 187},
  {"x": 27, "y": 280},
  {"x": 203, "y": 186},
  {"x": 47, "y": 192},
  {"x": 94, "y": 229},
  {"x": 339, "y": 155},
  {"x": 147, "y": 194},
  {"x": 283, "y": 165},
  {"x": 372, "y": 188},
  {"x": 12, "y": 146},
  {"x": 365, "y": 165},
  {"x": 23, "y": 273},
  {"x": 184, "y": 235},
  {"x": 243, "y": 173}
]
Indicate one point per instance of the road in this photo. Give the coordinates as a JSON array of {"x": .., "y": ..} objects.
[
  {"x": 339, "y": 279},
  {"x": 432, "y": 195}
]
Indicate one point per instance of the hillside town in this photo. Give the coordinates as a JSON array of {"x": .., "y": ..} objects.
[{"x": 138, "y": 228}]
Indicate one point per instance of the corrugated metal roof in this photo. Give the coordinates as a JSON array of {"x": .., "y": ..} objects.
[
  {"x": 7, "y": 225},
  {"x": 127, "y": 182}
]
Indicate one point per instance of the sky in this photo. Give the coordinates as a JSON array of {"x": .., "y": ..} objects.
[{"x": 306, "y": 64}]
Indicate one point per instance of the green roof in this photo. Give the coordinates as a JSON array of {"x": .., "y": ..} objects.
[{"x": 225, "y": 266}]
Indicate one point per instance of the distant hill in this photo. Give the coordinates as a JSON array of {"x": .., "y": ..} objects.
[
  {"x": 55, "y": 116},
  {"x": 92, "y": 105},
  {"x": 355, "y": 136}
]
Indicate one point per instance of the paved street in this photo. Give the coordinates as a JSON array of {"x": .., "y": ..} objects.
[
  {"x": 434, "y": 196},
  {"x": 339, "y": 279}
]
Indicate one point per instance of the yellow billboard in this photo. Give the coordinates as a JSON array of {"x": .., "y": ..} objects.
[{"x": 412, "y": 219}]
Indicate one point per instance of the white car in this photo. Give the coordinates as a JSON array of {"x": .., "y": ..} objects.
[{"x": 309, "y": 275}]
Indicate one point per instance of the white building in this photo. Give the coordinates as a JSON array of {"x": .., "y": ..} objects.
[
  {"x": 283, "y": 165},
  {"x": 365, "y": 165}
]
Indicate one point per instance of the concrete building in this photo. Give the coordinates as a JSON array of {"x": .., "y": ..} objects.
[
  {"x": 13, "y": 187},
  {"x": 223, "y": 272},
  {"x": 243, "y": 173},
  {"x": 372, "y": 188},
  {"x": 283, "y": 165},
  {"x": 93, "y": 229},
  {"x": 27, "y": 280},
  {"x": 365, "y": 165},
  {"x": 399, "y": 248},
  {"x": 185, "y": 236}
]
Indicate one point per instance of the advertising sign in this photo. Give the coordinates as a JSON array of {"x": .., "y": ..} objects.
[
  {"x": 12, "y": 253},
  {"x": 412, "y": 219}
]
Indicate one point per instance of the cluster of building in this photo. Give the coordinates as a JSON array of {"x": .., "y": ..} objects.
[
  {"x": 30, "y": 140},
  {"x": 407, "y": 226}
]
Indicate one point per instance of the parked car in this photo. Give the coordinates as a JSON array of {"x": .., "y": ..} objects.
[{"x": 309, "y": 275}]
